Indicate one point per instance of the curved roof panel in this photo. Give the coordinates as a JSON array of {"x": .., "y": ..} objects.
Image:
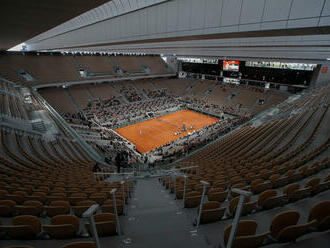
[{"x": 106, "y": 11}]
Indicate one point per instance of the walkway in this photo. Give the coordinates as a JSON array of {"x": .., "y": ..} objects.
[{"x": 155, "y": 220}]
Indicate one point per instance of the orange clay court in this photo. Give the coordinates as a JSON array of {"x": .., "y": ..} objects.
[{"x": 150, "y": 134}]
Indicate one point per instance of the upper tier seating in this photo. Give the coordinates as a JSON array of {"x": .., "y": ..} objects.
[{"x": 57, "y": 68}]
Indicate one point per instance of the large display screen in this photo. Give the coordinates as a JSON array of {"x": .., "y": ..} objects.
[{"x": 230, "y": 65}]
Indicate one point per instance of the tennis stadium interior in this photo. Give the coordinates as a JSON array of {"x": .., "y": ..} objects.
[{"x": 164, "y": 123}]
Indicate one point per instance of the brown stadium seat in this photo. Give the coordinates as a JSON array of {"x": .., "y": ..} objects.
[
  {"x": 17, "y": 196},
  {"x": 248, "y": 206},
  {"x": 192, "y": 199},
  {"x": 77, "y": 197},
  {"x": 269, "y": 199},
  {"x": 108, "y": 207},
  {"x": 105, "y": 224},
  {"x": 37, "y": 196},
  {"x": 179, "y": 192},
  {"x": 7, "y": 207},
  {"x": 314, "y": 185},
  {"x": 220, "y": 184},
  {"x": 217, "y": 194},
  {"x": 241, "y": 186},
  {"x": 259, "y": 185},
  {"x": 57, "y": 196},
  {"x": 23, "y": 227},
  {"x": 80, "y": 245},
  {"x": 321, "y": 213},
  {"x": 245, "y": 236},
  {"x": 284, "y": 227},
  {"x": 57, "y": 208},
  {"x": 325, "y": 185},
  {"x": 29, "y": 208},
  {"x": 98, "y": 197},
  {"x": 211, "y": 212},
  {"x": 294, "y": 192},
  {"x": 63, "y": 227},
  {"x": 82, "y": 207},
  {"x": 3, "y": 194},
  {"x": 277, "y": 181}
]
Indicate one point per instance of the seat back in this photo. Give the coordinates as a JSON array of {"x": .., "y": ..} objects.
[
  {"x": 66, "y": 219},
  {"x": 28, "y": 220},
  {"x": 244, "y": 228},
  {"x": 321, "y": 213},
  {"x": 282, "y": 220},
  {"x": 265, "y": 195}
]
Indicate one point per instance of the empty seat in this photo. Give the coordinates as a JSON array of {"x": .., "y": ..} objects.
[
  {"x": 245, "y": 236},
  {"x": 192, "y": 199},
  {"x": 23, "y": 227},
  {"x": 82, "y": 207},
  {"x": 105, "y": 224},
  {"x": 284, "y": 227},
  {"x": 7, "y": 207},
  {"x": 63, "y": 227},
  {"x": 294, "y": 192},
  {"x": 211, "y": 212},
  {"x": 248, "y": 206},
  {"x": 77, "y": 197},
  {"x": 30, "y": 208},
  {"x": 314, "y": 185},
  {"x": 269, "y": 199},
  {"x": 3, "y": 194},
  {"x": 57, "y": 208},
  {"x": 98, "y": 197},
  {"x": 17, "y": 196},
  {"x": 321, "y": 213},
  {"x": 259, "y": 185},
  {"x": 217, "y": 194},
  {"x": 37, "y": 196},
  {"x": 108, "y": 207}
]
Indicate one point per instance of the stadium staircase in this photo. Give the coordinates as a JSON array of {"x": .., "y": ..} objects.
[
  {"x": 156, "y": 220},
  {"x": 72, "y": 99},
  {"x": 90, "y": 93},
  {"x": 68, "y": 129},
  {"x": 113, "y": 63},
  {"x": 122, "y": 97}
]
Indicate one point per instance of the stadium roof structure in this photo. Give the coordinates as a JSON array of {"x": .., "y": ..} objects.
[
  {"x": 278, "y": 29},
  {"x": 21, "y": 20}
]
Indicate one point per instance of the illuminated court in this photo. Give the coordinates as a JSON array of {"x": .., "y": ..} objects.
[{"x": 154, "y": 133}]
